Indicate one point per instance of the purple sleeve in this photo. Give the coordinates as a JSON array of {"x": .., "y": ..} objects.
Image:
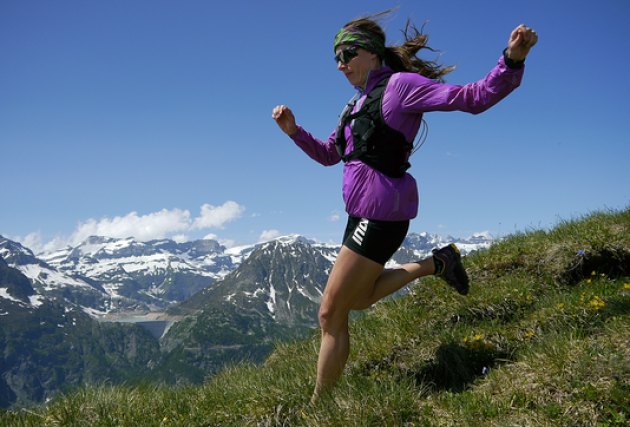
[
  {"x": 414, "y": 94},
  {"x": 318, "y": 150}
]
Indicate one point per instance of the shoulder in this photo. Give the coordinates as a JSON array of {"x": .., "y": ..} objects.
[
  {"x": 404, "y": 87},
  {"x": 409, "y": 80}
]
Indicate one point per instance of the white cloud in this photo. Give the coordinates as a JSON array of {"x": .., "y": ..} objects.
[
  {"x": 334, "y": 216},
  {"x": 33, "y": 241},
  {"x": 487, "y": 234},
  {"x": 216, "y": 216},
  {"x": 180, "y": 238},
  {"x": 157, "y": 225},
  {"x": 268, "y": 235},
  {"x": 228, "y": 243}
]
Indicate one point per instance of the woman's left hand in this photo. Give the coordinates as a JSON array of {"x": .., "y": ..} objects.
[{"x": 521, "y": 41}]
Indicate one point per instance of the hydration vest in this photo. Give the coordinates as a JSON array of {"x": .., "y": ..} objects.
[{"x": 376, "y": 144}]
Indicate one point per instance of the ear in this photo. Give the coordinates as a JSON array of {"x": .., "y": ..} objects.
[{"x": 375, "y": 58}]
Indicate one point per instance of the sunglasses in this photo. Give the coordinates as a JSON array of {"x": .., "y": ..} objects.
[{"x": 346, "y": 55}]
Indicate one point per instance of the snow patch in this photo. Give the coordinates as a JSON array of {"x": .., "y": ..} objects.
[
  {"x": 4, "y": 293},
  {"x": 93, "y": 312},
  {"x": 36, "y": 300},
  {"x": 271, "y": 304}
]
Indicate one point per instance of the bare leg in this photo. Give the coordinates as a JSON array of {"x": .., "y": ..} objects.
[
  {"x": 355, "y": 283},
  {"x": 391, "y": 280},
  {"x": 351, "y": 279}
]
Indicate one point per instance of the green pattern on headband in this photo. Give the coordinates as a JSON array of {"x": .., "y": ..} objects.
[{"x": 360, "y": 37}]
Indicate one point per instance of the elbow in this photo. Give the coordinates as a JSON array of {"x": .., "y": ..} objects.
[{"x": 480, "y": 110}]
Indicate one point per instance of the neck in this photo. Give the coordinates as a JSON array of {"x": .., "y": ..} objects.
[
  {"x": 363, "y": 87},
  {"x": 377, "y": 66},
  {"x": 367, "y": 77}
]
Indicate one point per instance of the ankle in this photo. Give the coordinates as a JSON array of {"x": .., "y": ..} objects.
[{"x": 439, "y": 266}]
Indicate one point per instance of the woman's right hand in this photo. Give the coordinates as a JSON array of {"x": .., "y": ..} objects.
[{"x": 285, "y": 119}]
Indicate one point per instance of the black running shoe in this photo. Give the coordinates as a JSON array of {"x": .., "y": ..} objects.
[{"x": 452, "y": 270}]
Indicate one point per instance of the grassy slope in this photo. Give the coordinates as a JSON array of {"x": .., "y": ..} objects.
[{"x": 543, "y": 339}]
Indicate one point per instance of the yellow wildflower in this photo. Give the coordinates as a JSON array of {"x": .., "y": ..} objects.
[{"x": 596, "y": 303}]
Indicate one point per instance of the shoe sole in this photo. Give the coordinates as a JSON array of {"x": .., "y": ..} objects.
[{"x": 460, "y": 272}]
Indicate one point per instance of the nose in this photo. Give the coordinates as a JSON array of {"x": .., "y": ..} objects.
[{"x": 341, "y": 65}]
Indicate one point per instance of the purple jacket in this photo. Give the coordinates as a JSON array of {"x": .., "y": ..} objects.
[{"x": 371, "y": 194}]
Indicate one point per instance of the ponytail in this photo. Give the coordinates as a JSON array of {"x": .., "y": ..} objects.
[{"x": 404, "y": 57}]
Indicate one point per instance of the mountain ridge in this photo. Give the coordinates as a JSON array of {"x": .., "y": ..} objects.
[
  {"x": 542, "y": 340},
  {"x": 110, "y": 275},
  {"x": 189, "y": 324}
]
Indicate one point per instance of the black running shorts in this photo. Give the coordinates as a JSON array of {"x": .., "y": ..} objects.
[{"x": 376, "y": 240}]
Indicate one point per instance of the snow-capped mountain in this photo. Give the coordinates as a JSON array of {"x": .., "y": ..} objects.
[
  {"x": 419, "y": 246},
  {"x": 45, "y": 279},
  {"x": 108, "y": 275},
  {"x": 48, "y": 344},
  {"x": 105, "y": 275},
  {"x": 155, "y": 273},
  {"x": 283, "y": 280},
  {"x": 229, "y": 304}
]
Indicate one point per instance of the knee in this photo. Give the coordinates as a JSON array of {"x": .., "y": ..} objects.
[
  {"x": 331, "y": 318},
  {"x": 324, "y": 316}
]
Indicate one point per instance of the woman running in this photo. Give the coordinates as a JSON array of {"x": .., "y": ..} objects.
[{"x": 374, "y": 139}]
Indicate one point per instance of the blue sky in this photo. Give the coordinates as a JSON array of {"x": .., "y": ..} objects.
[{"x": 153, "y": 118}]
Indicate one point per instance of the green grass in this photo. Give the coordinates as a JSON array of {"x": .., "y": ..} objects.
[{"x": 543, "y": 339}]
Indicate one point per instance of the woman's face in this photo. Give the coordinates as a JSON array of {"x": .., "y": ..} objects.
[{"x": 357, "y": 69}]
